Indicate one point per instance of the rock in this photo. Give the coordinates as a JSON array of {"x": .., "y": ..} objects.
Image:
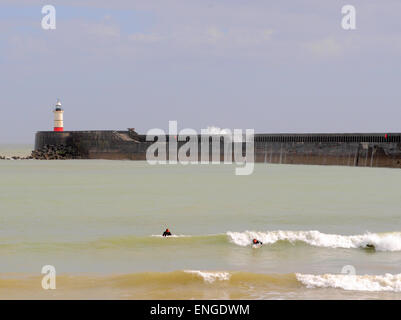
[{"x": 55, "y": 152}]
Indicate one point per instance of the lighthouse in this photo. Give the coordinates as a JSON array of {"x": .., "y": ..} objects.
[{"x": 58, "y": 117}]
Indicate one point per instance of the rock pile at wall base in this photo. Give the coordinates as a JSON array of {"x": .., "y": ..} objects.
[
  {"x": 55, "y": 152},
  {"x": 49, "y": 152},
  {"x": 16, "y": 158}
]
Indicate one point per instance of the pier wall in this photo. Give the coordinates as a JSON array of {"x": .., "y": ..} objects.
[{"x": 361, "y": 150}]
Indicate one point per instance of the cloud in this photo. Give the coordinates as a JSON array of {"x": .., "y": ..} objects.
[
  {"x": 101, "y": 30},
  {"x": 250, "y": 36},
  {"x": 214, "y": 34},
  {"x": 325, "y": 48},
  {"x": 145, "y": 38}
]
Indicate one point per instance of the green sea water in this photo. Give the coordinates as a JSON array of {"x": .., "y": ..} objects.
[{"x": 104, "y": 218}]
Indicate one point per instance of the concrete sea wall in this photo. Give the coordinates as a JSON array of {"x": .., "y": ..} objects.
[{"x": 363, "y": 150}]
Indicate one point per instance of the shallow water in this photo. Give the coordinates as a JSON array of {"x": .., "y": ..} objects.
[{"x": 99, "y": 223}]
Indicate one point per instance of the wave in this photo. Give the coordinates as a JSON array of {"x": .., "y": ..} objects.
[
  {"x": 264, "y": 284},
  {"x": 210, "y": 277},
  {"x": 390, "y": 241},
  {"x": 372, "y": 283},
  {"x": 163, "y": 279},
  {"x": 380, "y": 241}
]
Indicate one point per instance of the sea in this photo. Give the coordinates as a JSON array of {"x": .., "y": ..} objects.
[{"x": 328, "y": 232}]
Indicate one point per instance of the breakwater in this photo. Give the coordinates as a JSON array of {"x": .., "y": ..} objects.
[
  {"x": 55, "y": 152},
  {"x": 360, "y": 150}
]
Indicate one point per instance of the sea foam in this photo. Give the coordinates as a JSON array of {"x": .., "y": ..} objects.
[{"x": 387, "y": 282}]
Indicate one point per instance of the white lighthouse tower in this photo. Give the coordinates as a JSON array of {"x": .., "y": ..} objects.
[{"x": 58, "y": 117}]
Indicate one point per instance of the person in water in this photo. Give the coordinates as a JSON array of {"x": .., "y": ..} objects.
[
  {"x": 166, "y": 233},
  {"x": 256, "y": 241}
]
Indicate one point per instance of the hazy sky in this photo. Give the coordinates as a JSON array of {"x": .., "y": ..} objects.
[{"x": 274, "y": 66}]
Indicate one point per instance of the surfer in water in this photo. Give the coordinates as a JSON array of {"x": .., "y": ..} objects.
[
  {"x": 256, "y": 242},
  {"x": 166, "y": 233}
]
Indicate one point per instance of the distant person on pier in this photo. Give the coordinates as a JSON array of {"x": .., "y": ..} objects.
[{"x": 166, "y": 233}]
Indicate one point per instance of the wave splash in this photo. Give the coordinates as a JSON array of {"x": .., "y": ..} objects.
[
  {"x": 209, "y": 276},
  {"x": 387, "y": 282},
  {"x": 368, "y": 283},
  {"x": 381, "y": 242}
]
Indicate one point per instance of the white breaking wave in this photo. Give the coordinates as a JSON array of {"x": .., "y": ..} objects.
[
  {"x": 381, "y": 242},
  {"x": 210, "y": 276},
  {"x": 387, "y": 282}
]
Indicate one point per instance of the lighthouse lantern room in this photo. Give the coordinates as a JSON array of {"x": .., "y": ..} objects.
[{"x": 58, "y": 117}]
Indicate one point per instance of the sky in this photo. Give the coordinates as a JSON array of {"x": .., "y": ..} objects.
[{"x": 272, "y": 66}]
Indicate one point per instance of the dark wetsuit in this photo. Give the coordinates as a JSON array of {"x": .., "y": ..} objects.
[
  {"x": 257, "y": 242},
  {"x": 165, "y": 233}
]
